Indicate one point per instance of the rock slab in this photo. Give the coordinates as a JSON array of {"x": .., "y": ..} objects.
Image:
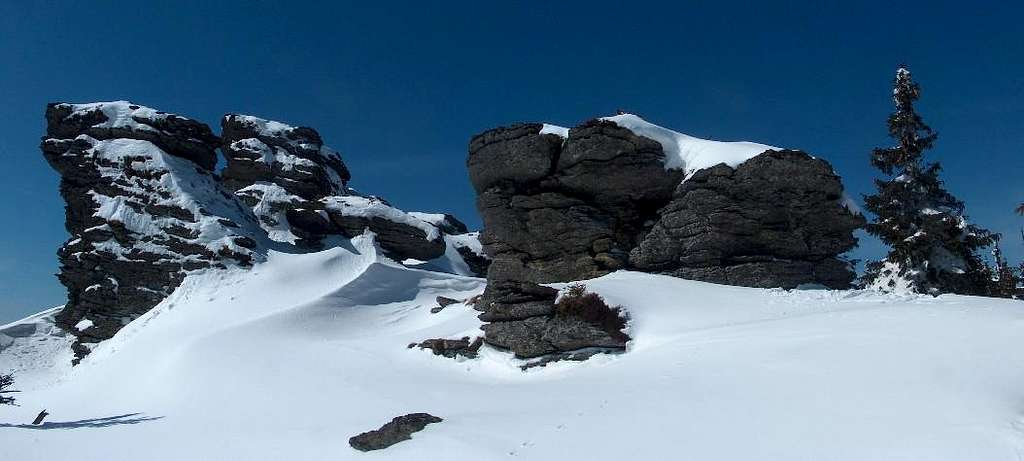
[{"x": 397, "y": 430}]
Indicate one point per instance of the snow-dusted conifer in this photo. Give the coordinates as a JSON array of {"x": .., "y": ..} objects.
[{"x": 933, "y": 249}]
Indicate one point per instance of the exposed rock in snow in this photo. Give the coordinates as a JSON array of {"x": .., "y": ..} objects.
[
  {"x": 452, "y": 348},
  {"x": 274, "y": 168},
  {"x": 143, "y": 209},
  {"x": 558, "y": 209},
  {"x": 171, "y": 133},
  {"x": 294, "y": 158},
  {"x": 399, "y": 429},
  {"x": 776, "y": 220}
]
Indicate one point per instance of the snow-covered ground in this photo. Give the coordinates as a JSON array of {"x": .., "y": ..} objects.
[{"x": 290, "y": 359}]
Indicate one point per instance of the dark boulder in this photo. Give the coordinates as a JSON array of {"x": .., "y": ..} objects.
[
  {"x": 777, "y": 220},
  {"x": 397, "y": 430},
  {"x": 452, "y": 348},
  {"x": 443, "y": 302},
  {"x": 561, "y": 209}
]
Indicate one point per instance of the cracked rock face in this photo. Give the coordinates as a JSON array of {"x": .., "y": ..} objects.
[
  {"x": 143, "y": 209},
  {"x": 601, "y": 199},
  {"x": 774, "y": 221},
  {"x": 297, "y": 186},
  {"x": 578, "y": 220},
  {"x": 294, "y": 158}
]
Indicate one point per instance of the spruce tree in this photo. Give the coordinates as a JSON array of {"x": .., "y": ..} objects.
[{"x": 933, "y": 249}]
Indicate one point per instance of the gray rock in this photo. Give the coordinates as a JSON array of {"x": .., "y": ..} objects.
[
  {"x": 115, "y": 272},
  {"x": 398, "y": 429},
  {"x": 294, "y": 158},
  {"x": 775, "y": 221},
  {"x": 477, "y": 263},
  {"x": 452, "y": 348},
  {"x": 172, "y": 133},
  {"x": 557, "y": 210},
  {"x": 398, "y": 240}
]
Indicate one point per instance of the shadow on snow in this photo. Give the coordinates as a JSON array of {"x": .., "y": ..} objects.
[{"x": 129, "y": 418}]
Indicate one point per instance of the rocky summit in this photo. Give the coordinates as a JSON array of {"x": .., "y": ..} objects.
[
  {"x": 619, "y": 193},
  {"x": 145, "y": 207}
]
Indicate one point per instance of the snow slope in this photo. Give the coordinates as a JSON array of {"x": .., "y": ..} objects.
[{"x": 289, "y": 360}]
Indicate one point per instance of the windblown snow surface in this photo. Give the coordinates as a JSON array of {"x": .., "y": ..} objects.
[{"x": 288, "y": 360}]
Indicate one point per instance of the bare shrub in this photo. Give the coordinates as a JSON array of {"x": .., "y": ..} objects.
[{"x": 589, "y": 307}]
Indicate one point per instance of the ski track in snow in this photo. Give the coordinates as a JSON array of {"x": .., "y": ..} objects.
[{"x": 290, "y": 359}]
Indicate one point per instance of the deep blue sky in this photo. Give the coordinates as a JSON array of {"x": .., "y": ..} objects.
[{"x": 399, "y": 88}]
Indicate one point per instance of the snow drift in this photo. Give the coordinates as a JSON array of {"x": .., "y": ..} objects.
[{"x": 288, "y": 360}]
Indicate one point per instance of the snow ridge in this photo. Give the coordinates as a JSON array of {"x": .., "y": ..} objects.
[{"x": 688, "y": 153}]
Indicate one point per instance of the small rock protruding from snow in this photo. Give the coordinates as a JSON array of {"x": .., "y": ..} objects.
[{"x": 397, "y": 430}]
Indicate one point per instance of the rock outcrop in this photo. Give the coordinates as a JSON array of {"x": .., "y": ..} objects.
[
  {"x": 143, "y": 209},
  {"x": 561, "y": 205},
  {"x": 275, "y": 167},
  {"x": 397, "y": 430},
  {"x": 298, "y": 187},
  {"x": 773, "y": 221}
]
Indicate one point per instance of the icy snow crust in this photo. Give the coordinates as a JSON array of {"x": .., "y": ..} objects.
[
  {"x": 288, "y": 360},
  {"x": 687, "y": 153}
]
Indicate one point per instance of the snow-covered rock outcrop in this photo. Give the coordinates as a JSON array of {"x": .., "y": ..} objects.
[
  {"x": 143, "y": 209},
  {"x": 275, "y": 167},
  {"x": 298, "y": 187},
  {"x": 619, "y": 192}
]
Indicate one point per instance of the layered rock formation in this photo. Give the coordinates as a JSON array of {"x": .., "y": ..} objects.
[
  {"x": 275, "y": 167},
  {"x": 773, "y": 221},
  {"x": 297, "y": 186},
  {"x": 143, "y": 209},
  {"x": 561, "y": 205}
]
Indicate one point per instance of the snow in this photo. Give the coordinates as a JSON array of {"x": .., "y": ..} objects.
[
  {"x": 289, "y": 359},
  {"x": 687, "y": 153},
  {"x": 272, "y": 128},
  {"x": 373, "y": 207},
  {"x": 182, "y": 187},
  {"x": 433, "y": 218},
  {"x": 266, "y": 154},
  {"x": 120, "y": 114},
  {"x": 83, "y": 325},
  {"x": 270, "y": 198},
  {"x": 555, "y": 129},
  {"x": 451, "y": 261},
  {"x": 264, "y": 126}
]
